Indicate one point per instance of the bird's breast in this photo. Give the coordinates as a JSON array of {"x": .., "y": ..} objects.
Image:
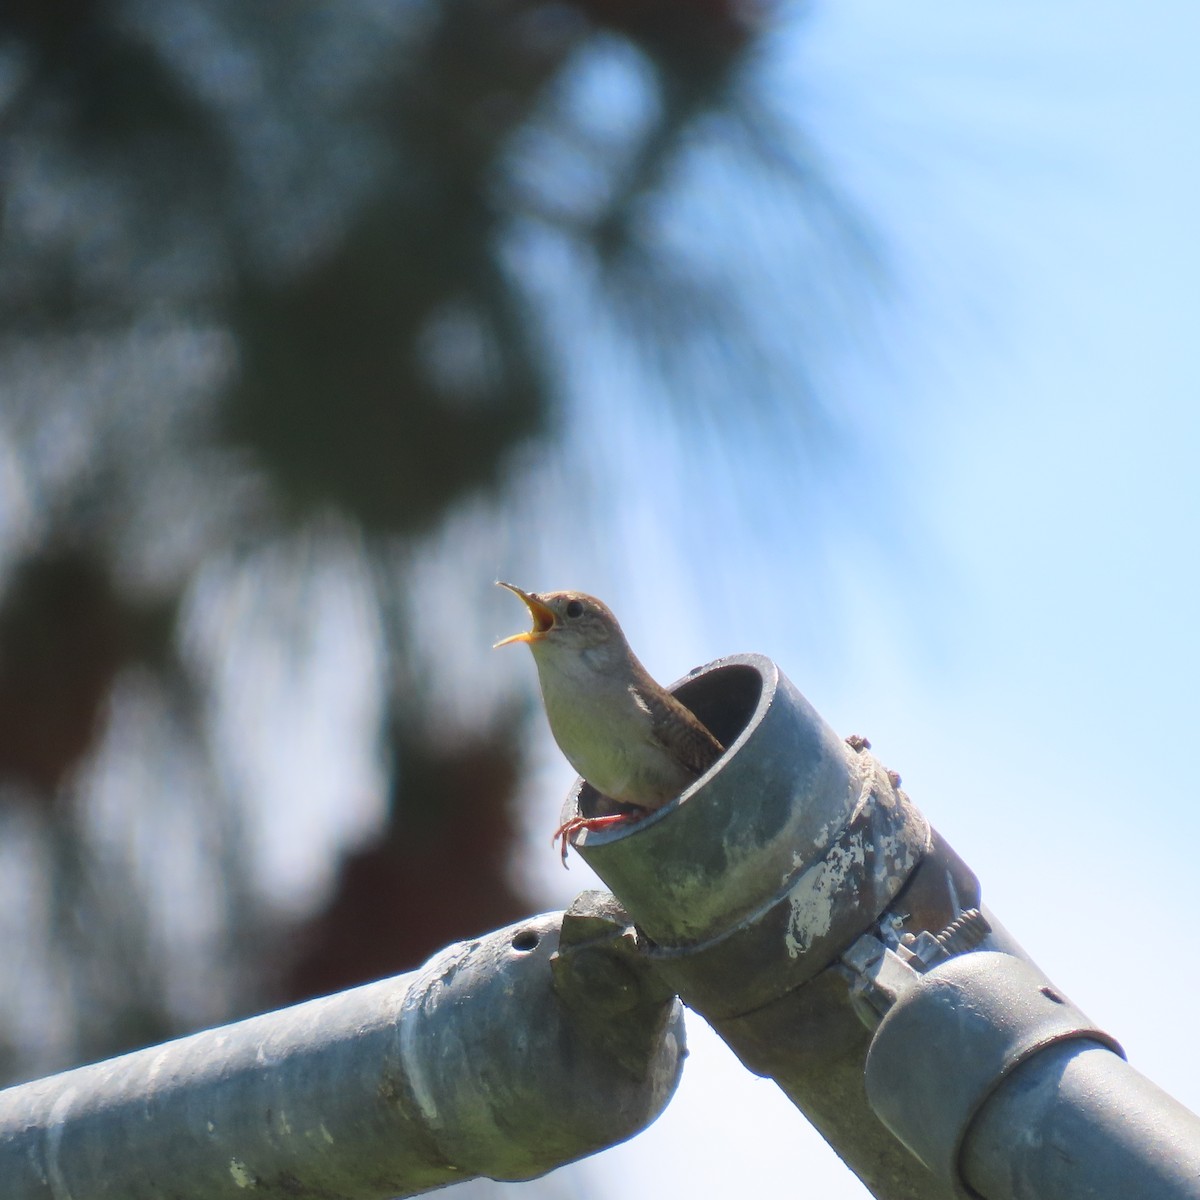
[{"x": 606, "y": 736}]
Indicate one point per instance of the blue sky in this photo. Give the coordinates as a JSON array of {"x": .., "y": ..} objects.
[{"x": 1002, "y": 589}]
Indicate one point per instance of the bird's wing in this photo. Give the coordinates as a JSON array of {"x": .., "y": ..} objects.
[{"x": 676, "y": 728}]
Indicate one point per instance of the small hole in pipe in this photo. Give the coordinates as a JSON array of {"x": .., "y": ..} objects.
[
  {"x": 1051, "y": 994},
  {"x": 525, "y": 940}
]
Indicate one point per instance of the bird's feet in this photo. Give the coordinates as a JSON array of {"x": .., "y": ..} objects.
[{"x": 568, "y": 829}]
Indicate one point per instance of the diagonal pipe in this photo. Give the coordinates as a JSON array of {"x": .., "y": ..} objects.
[{"x": 787, "y": 896}]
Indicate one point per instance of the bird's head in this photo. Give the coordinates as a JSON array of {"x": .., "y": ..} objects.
[{"x": 565, "y": 621}]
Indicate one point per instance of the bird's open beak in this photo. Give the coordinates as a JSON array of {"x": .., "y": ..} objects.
[{"x": 543, "y": 618}]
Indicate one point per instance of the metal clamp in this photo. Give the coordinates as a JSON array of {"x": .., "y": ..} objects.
[{"x": 949, "y": 1036}]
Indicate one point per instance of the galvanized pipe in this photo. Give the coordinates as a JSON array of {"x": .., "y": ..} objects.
[
  {"x": 1076, "y": 1122},
  {"x": 1006, "y": 1090},
  {"x": 490, "y": 1060},
  {"x": 752, "y": 886}
]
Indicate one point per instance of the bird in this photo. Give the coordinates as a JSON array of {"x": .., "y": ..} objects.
[{"x": 632, "y": 740}]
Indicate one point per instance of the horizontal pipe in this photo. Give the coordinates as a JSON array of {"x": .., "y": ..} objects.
[{"x": 473, "y": 1065}]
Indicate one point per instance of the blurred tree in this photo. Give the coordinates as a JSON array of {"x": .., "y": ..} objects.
[{"x": 267, "y": 287}]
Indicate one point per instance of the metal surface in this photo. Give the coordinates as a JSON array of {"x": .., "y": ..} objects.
[
  {"x": 792, "y": 843},
  {"x": 950, "y": 1037},
  {"x": 487, "y": 1061},
  {"x": 750, "y": 887},
  {"x": 1078, "y": 1123},
  {"x": 793, "y": 851},
  {"x": 882, "y": 972}
]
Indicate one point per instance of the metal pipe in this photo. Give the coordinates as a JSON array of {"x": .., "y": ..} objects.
[
  {"x": 1005, "y": 1089},
  {"x": 750, "y": 886},
  {"x": 493, "y": 1059},
  {"x": 753, "y": 889},
  {"x": 1078, "y": 1121}
]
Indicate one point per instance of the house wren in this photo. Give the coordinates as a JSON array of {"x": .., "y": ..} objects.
[{"x": 627, "y": 736}]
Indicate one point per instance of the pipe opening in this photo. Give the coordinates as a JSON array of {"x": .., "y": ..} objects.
[{"x": 724, "y": 698}]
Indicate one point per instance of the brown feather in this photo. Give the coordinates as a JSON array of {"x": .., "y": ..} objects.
[{"x": 677, "y": 729}]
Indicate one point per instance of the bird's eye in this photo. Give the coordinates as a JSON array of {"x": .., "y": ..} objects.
[{"x": 574, "y": 608}]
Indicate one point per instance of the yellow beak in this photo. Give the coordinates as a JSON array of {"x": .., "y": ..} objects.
[{"x": 543, "y": 617}]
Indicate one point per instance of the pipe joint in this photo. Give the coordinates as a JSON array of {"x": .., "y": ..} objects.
[{"x": 950, "y": 1036}]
